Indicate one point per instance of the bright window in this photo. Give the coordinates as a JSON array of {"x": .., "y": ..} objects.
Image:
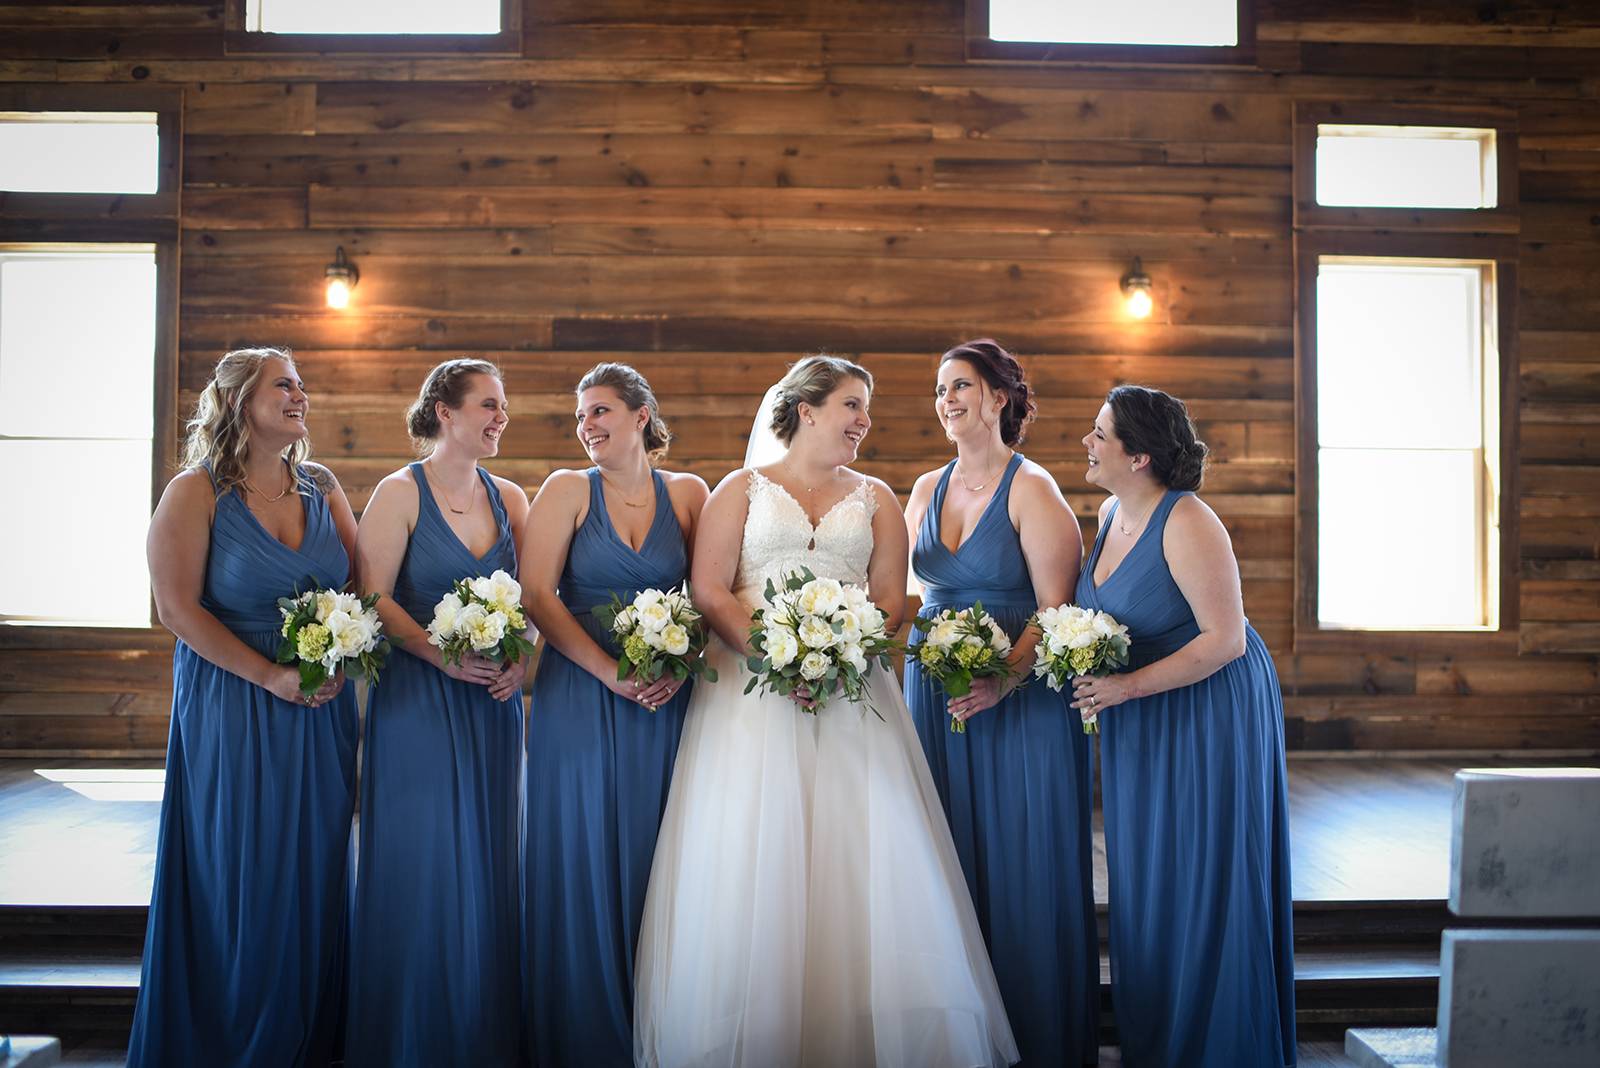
[
  {"x": 1407, "y": 372},
  {"x": 77, "y": 358},
  {"x": 373, "y": 16},
  {"x": 1155, "y": 22},
  {"x": 1405, "y": 167},
  {"x": 79, "y": 152}
]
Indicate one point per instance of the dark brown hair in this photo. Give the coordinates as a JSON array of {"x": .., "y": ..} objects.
[
  {"x": 1004, "y": 375},
  {"x": 1157, "y": 424},
  {"x": 447, "y": 382},
  {"x": 636, "y": 393}
]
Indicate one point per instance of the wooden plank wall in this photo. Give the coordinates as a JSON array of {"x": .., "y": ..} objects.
[{"x": 709, "y": 188}]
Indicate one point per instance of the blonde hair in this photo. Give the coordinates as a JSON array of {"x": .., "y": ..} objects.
[
  {"x": 218, "y": 434},
  {"x": 810, "y": 382},
  {"x": 447, "y": 382},
  {"x": 636, "y": 393}
]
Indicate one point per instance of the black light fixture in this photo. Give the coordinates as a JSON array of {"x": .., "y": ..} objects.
[
  {"x": 342, "y": 278},
  {"x": 1136, "y": 286}
]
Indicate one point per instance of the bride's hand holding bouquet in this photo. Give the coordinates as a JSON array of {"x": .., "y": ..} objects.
[{"x": 815, "y": 638}]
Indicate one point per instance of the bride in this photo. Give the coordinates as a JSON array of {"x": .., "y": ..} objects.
[{"x": 806, "y": 906}]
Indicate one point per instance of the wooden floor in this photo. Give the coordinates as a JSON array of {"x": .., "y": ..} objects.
[{"x": 1361, "y": 830}]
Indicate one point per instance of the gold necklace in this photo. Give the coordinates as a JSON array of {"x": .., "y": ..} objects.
[
  {"x": 1129, "y": 533},
  {"x": 975, "y": 489},
  {"x": 623, "y": 499},
  {"x": 472, "y": 494},
  {"x": 270, "y": 500}
]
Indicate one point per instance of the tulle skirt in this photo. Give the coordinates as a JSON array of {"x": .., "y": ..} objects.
[{"x": 806, "y": 905}]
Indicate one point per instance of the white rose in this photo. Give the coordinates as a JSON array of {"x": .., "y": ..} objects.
[
  {"x": 943, "y": 634},
  {"x": 999, "y": 641},
  {"x": 445, "y": 615},
  {"x": 653, "y": 616},
  {"x": 1082, "y": 639},
  {"x": 624, "y": 621},
  {"x": 852, "y": 654},
  {"x": 813, "y": 667},
  {"x": 676, "y": 639},
  {"x": 872, "y": 621},
  {"x": 655, "y": 639},
  {"x": 646, "y": 598},
  {"x": 855, "y": 599},
  {"x": 816, "y": 634},
  {"x": 821, "y": 597},
  {"x": 327, "y": 604},
  {"x": 782, "y": 647}
]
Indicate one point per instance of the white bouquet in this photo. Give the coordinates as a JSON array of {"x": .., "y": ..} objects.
[
  {"x": 1079, "y": 641},
  {"x": 325, "y": 631},
  {"x": 962, "y": 645},
  {"x": 659, "y": 632},
  {"x": 481, "y": 615},
  {"x": 819, "y": 633}
]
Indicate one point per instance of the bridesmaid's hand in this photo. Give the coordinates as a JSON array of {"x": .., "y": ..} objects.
[
  {"x": 629, "y": 689},
  {"x": 473, "y": 668},
  {"x": 508, "y": 683},
  {"x": 984, "y": 695},
  {"x": 1093, "y": 694},
  {"x": 329, "y": 690},
  {"x": 659, "y": 692},
  {"x": 284, "y": 684}
]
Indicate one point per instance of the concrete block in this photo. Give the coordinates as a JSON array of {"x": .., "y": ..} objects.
[
  {"x": 1526, "y": 843},
  {"x": 1519, "y": 997},
  {"x": 1392, "y": 1047}
]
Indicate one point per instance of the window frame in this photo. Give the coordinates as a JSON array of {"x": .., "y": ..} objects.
[
  {"x": 35, "y": 220},
  {"x": 239, "y": 40},
  {"x": 1489, "y": 234},
  {"x": 981, "y": 47}
]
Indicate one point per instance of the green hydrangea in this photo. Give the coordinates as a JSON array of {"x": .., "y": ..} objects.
[
  {"x": 636, "y": 648},
  {"x": 312, "y": 642}
]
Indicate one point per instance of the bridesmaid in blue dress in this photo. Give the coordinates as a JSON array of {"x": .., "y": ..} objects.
[
  {"x": 600, "y": 750},
  {"x": 435, "y": 972},
  {"x": 1195, "y": 789},
  {"x": 244, "y": 954},
  {"x": 991, "y": 526}
]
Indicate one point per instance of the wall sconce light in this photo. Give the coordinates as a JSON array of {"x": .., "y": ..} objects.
[
  {"x": 342, "y": 278},
  {"x": 1136, "y": 287}
]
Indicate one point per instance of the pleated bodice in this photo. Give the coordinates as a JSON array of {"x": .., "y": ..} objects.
[{"x": 436, "y": 559}]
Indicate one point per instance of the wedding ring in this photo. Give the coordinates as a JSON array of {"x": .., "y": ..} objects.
[{"x": 1093, "y": 700}]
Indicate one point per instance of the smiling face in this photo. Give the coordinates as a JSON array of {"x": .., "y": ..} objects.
[
  {"x": 475, "y": 427},
  {"x": 836, "y": 427},
  {"x": 276, "y": 409},
  {"x": 1109, "y": 462},
  {"x": 967, "y": 407},
  {"x": 607, "y": 430}
]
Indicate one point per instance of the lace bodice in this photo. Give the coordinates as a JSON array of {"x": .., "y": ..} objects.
[{"x": 779, "y": 538}]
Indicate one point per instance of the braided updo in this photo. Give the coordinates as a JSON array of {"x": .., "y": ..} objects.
[
  {"x": 1004, "y": 375},
  {"x": 1157, "y": 424},
  {"x": 447, "y": 383},
  {"x": 810, "y": 381}
]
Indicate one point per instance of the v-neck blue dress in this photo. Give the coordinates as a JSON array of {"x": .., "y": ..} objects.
[
  {"x": 435, "y": 968},
  {"x": 1017, "y": 790},
  {"x": 599, "y": 768},
  {"x": 1196, "y": 803},
  {"x": 244, "y": 956}
]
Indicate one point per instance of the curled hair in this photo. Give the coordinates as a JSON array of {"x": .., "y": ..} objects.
[
  {"x": 448, "y": 382},
  {"x": 1004, "y": 375},
  {"x": 636, "y": 393},
  {"x": 810, "y": 382},
  {"x": 218, "y": 434},
  {"x": 1157, "y": 424}
]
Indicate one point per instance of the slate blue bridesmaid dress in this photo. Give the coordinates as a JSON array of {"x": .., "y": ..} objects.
[
  {"x": 1197, "y": 837},
  {"x": 1017, "y": 790},
  {"x": 435, "y": 973},
  {"x": 244, "y": 959},
  {"x": 599, "y": 768}
]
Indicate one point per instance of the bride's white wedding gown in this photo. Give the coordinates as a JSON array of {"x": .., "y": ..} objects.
[{"x": 806, "y": 905}]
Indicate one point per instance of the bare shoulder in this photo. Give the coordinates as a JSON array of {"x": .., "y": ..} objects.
[
  {"x": 189, "y": 493},
  {"x": 686, "y": 487},
  {"x": 397, "y": 486},
  {"x": 1105, "y": 509},
  {"x": 320, "y": 477},
  {"x": 1035, "y": 480},
  {"x": 735, "y": 481},
  {"x": 1193, "y": 522},
  {"x": 922, "y": 488},
  {"x": 564, "y": 484},
  {"x": 510, "y": 492}
]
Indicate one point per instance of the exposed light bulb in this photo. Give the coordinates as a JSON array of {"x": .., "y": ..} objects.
[
  {"x": 338, "y": 293},
  {"x": 1139, "y": 304}
]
